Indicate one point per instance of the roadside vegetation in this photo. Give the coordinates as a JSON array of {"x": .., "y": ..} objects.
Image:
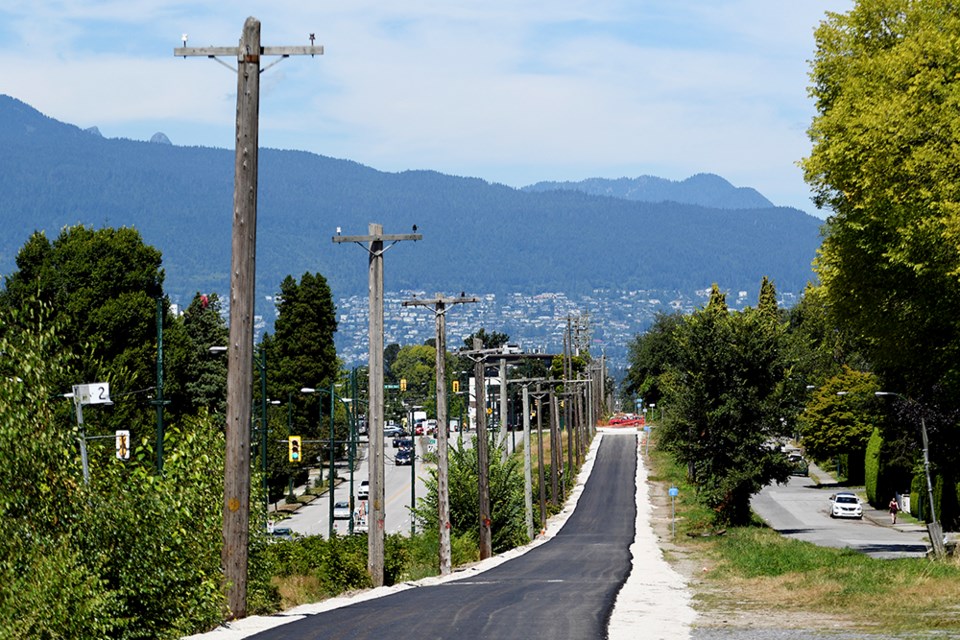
[{"x": 751, "y": 574}]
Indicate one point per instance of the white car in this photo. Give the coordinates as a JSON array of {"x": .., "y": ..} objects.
[
  {"x": 363, "y": 493},
  {"x": 341, "y": 510},
  {"x": 845, "y": 505}
]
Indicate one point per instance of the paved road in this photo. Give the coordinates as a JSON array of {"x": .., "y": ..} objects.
[
  {"x": 564, "y": 588},
  {"x": 313, "y": 519},
  {"x": 800, "y": 509}
]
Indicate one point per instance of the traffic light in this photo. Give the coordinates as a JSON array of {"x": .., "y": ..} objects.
[
  {"x": 456, "y": 386},
  {"x": 403, "y": 384},
  {"x": 293, "y": 444}
]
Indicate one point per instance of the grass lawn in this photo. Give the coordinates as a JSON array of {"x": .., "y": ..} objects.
[{"x": 751, "y": 576}]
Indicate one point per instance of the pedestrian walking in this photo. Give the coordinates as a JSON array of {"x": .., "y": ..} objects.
[{"x": 894, "y": 508}]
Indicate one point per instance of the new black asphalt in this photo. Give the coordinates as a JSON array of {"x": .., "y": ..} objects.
[{"x": 564, "y": 588}]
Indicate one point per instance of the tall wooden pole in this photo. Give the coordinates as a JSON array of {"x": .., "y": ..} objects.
[
  {"x": 527, "y": 472},
  {"x": 504, "y": 414},
  {"x": 443, "y": 483},
  {"x": 568, "y": 401},
  {"x": 556, "y": 449},
  {"x": 376, "y": 531},
  {"x": 540, "y": 461},
  {"x": 236, "y": 489},
  {"x": 375, "y": 519},
  {"x": 439, "y": 305},
  {"x": 236, "y": 483},
  {"x": 483, "y": 459}
]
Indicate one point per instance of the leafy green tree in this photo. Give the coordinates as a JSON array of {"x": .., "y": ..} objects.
[
  {"x": 840, "y": 418},
  {"x": 885, "y": 162},
  {"x": 725, "y": 404},
  {"x": 197, "y": 377},
  {"x": 507, "y": 527},
  {"x": 416, "y": 364},
  {"x": 650, "y": 354},
  {"x": 303, "y": 351},
  {"x": 492, "y": 340},
  {"x": 132, "y": 554},
  {"x": 103, "y": 285}
]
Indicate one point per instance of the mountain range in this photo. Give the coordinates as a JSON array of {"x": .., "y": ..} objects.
[{"x": 643, "y": 233}]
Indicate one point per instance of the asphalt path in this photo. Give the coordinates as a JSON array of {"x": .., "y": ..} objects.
[
  {"x": 801, "y": 509},
  {"x": 564, "y": 588}
]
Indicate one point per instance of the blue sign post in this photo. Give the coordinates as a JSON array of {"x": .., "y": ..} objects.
[
  {"x": 646, "y": 439},
  {"x": 674, "y": 492}
]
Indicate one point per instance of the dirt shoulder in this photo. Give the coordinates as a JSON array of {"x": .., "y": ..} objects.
[{"x": 728, "y": 603}]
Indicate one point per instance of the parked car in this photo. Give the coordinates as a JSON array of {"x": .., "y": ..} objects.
[
  {"x": 403, "y": 457},
  {"x": 845, "y": 505},
  {"x": 363, "y": 493},
  {"x": 341, "y": 510}
]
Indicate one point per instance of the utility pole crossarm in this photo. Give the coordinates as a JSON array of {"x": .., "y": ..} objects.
[
  {"x": 441, "y": 301},
  {"x": 382, "y": 237},
  {"x": 213, "y": 52}
]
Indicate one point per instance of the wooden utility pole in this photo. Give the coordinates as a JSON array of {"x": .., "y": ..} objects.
[
  {"x": 483, "y": 455},
  {"x": 439, "y": 305},
  {"x": 236, "y": 485},
  {"x": 568, "y": 399},
  {"x": 540, "y": 462},
  {"x": 556, "y": 449},
  {"x": 504, "y": 414},
  {"x": 375, "y": 535},
  {"x": 527, "y": 480}
]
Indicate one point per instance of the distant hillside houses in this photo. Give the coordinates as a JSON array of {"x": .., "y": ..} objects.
[{"x": 534, "y": 322}]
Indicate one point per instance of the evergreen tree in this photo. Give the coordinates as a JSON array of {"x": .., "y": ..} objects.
[{"x": 725, "y": 405}]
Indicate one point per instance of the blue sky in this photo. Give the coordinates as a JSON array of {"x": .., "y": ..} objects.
[{"x": 510, "y": 92}]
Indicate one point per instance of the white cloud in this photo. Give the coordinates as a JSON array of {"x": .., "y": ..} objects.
[{"x": 510, "y": 92}]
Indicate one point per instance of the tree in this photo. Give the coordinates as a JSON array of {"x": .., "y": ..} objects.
[
  {"x": 725, "y": 398},
  {"x": 840, "y": 418},
  {"x": 301, "y": 353},
  {"x": 507, "y": 526},
  {"x": 102, "y": 287},
  {"x": 131, "y": 555},
  {"x": 650, "y": 354},
  {"x": 417, "y": 364},
  {"x": 492, "y": 340},
  {"x": 886, "y": 79},
  {"x": 197, "y": 377}
]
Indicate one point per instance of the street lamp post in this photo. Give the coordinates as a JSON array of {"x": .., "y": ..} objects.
[
  {"x": 933, "y": 527},
  {"x": 330, "y": 474}
]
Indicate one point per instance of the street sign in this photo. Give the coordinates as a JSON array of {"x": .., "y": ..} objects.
[
  {"x": 673, "y": 508},
  {"x": 94, "y": 393},
  {"x": 391, "y": 386},
  {"x": 123, "y": 445}
]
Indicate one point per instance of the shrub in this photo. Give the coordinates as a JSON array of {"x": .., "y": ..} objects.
[{"x": 871, "y": 466}]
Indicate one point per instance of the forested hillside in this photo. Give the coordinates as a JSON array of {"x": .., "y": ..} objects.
[{"x": 477, "y": 237}]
